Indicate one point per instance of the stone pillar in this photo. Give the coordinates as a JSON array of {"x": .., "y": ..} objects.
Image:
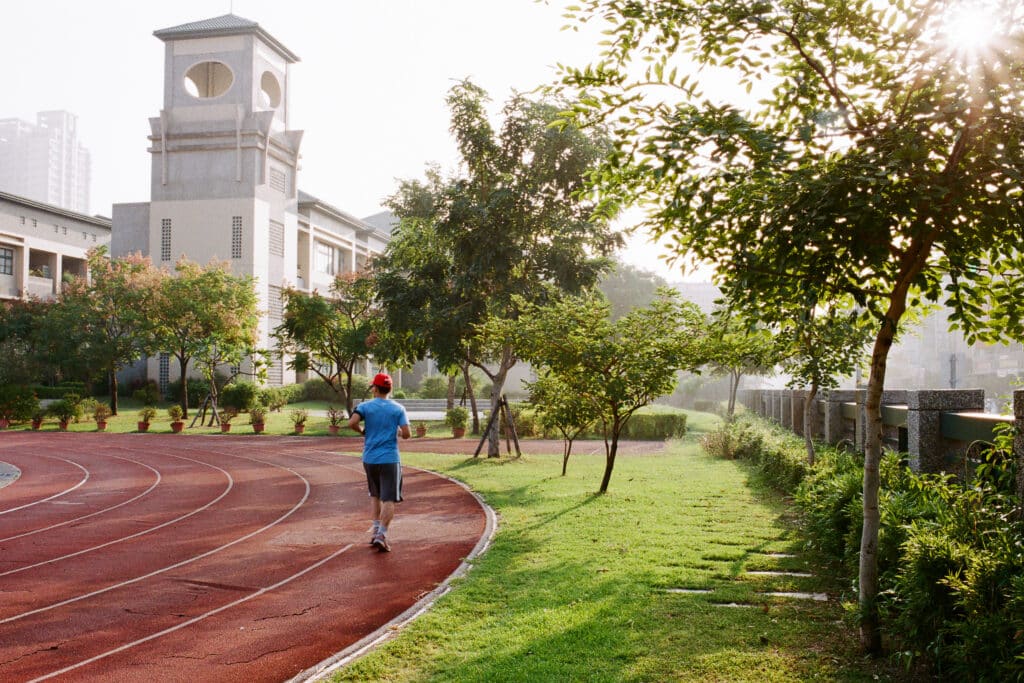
[
  {"x": 927, "y": 448},
  {"x": 796, "y": 401},
  {"x": 889, "y": 398},
  {"x": 834, "y": 400}
]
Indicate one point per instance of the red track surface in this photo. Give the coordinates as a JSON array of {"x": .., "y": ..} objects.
[{"x": 140, "y": 557}]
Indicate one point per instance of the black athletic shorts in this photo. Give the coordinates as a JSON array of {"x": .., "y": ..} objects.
[{"x": 385, "y": 481}]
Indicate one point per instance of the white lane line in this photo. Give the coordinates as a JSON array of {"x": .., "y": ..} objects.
[
  {"x": 122, "y": 539},
  {"x": 177, "y": 564},
  {"x": 196, "y": 619},
  {"x": 56, "y": 495},
  {"x": 98, "y": 512}
]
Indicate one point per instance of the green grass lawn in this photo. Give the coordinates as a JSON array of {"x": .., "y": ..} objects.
[{"x": 576, "y": 586}]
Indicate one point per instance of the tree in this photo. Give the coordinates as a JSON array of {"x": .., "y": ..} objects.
[
  {"x": 111, "y": 312},
  {"x": 514, "y": 224},
  {"x": 329, "y": 335},
  {"x": 615, "y": 367},
  {"x": 561, "y": 408},
  {"x": 202, "y": 307},
  {"x": 738, "y": 345},
  {"x": 884, "y": 166},
  {"x": 23, "y": 347},
  {"x": 820, "y": 347}
]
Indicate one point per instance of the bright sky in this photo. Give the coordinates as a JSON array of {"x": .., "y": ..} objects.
[{"x": 369, "y": 91}]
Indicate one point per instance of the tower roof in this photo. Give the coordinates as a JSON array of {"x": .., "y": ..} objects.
[{"x": 225, "y": 25}]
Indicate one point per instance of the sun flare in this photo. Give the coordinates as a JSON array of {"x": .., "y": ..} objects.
[{"x": 968, "y": 27}]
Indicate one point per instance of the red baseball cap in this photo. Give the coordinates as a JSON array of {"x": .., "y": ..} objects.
[{"x": 382, "y": 380}]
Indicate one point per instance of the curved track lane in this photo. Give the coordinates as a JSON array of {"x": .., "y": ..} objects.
[{"x": 142, "y": 557}]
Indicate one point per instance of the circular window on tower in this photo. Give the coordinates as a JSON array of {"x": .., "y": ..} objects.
[
  {"x": 270, "y": 90},
  {"x": 208, "y": 79}
]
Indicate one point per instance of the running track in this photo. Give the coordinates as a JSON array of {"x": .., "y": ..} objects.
[{"x": 151, "y": 557}]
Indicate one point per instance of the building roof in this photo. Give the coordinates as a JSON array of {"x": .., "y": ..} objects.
[
  {"x": 225, "y": 25},
  {"x": 306, "y": 199},
  {"x": 385, "y": 221},
  {"x": 98, "y": 221}
]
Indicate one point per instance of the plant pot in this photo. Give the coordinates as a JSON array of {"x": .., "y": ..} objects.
[
  {"x": 177, "y": 426},
  {"x": 143, "y": 426},
  {"x": 4, "y": 423},
  {"x": 458, "y": 432},
  {"x": 300, "y": 428},
  {"x": 36, "y": 424},
  {"x": 225, "y": 427},
  {"x": 101, "y": 425},
  {"x": 421, "y": 432},
  {"x": 258, "y": 428},
  {"x": 62, "y": 425},
  {"x": 333, "y": 429}
]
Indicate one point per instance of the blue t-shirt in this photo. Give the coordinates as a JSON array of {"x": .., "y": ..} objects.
[{"x": 381, "y": 418}]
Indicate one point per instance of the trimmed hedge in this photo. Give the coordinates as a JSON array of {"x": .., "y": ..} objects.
[
  {"x": 656, "y": 423},
  {"x": 779, "y": 455}
]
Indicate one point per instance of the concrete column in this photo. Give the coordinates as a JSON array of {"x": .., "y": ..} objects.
[
  {"x": 927, "y": 448},
  {"x": 834, "y": 400},
  {"x": 796, "y": 401}
]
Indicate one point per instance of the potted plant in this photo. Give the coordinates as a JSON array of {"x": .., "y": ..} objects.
[
  {"x": 299, "y": 420},
  {"x": 175, "y": 412},
  {"x": 257, "y": 418},
  {"x": 17, "y": 403},
  {"x": 100, "y": 413},
  {"x": 64, "y": 410},
  {"x": 421, "y": 430},
  {"x": 226, "y": 416},
  {"x": 334, "y": 417},
  {"x": 37, "y": 418},
  {"x": 457, "y": 418},
  {"x": 146, "y": 416}
]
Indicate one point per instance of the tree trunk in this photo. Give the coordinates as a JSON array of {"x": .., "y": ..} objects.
[
  {"x": 809, "y": 422},
  {"x": 472, "y": 399},
  {"x": 498, "y": 380},
  {"x": 451, "y": 393},
  {"x": 870, "y": 634},
  {"x": 609, "y": 455},
  {"x": 734, "y": 384},
  {"x": 113, "y": 391},
  {"x": 183, "y": 366},
  {"x": 348, "y": 390}
]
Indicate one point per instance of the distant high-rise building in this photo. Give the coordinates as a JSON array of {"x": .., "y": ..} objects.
[{"x": 45, "y": 161}]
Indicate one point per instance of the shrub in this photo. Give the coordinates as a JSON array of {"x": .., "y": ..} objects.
[
  {"x": 17, "y": 403},
  {"x": 101, "y": 412},
  {"x": 318, "y": 390},
  {"x": 257, "y": 415},
  {"x": 457, "y": 417},
  {"x": 274, "y": 398},
  {"x": 148, "y": 394},
  {"x": 239, "y": 395},
  {"x": 656, "y": 423},
  {"x": 435, "y": 386},
  {"x": 778, "y": 454},
  {"x": 175, "y": 412},
  {"x": 147, "y": 414},
  {"x": 63, "y": 409},
  {"x": 299, "y": 417},
  {"x": 60, "y": 391},
  {"x": 198, "y": 389}
]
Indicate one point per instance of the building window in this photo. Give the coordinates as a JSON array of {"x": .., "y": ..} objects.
[
  {"x": 278, "y": 181},
  {"x": 56, "y": 228},
  {"x": 236, "y": 237},
  {"x": 85, "y": 235},
  {"x": 35, "y": 223},
  {"x": 6, "y": 261},
  {"x": 22, "y": 220},
  {"x": 165, "y": 239},
  {"x": 326, "y": 259},
  {"x": 164, "y": 374},
  {"x": 276, "y": 245},
  {"x": 65, "y": 229}
]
